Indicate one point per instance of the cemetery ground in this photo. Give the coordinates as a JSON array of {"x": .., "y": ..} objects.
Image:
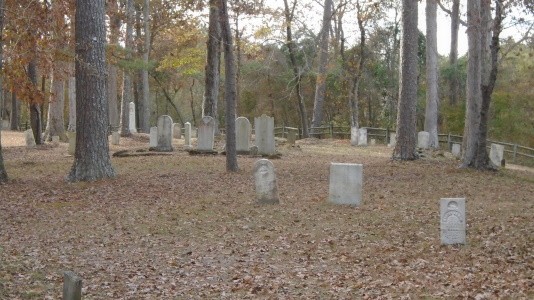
[{"x": 179, "y": 227}]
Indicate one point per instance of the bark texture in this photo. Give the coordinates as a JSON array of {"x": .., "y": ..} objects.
[
  {"x": 3, "y": 173},
  {"x": 454, "y": 84},
  {"x": 127, "y": 84},
  {"x": 15, "y": 112},
  {"x": 35, "y": 108},
  {"x": 144, "y": 101},
  {"x": 113, "y": 102},
  {"x": 406, "y": 114},
  {"x": 72, "y": 103},
  {"x": 55, "y": 124},
  {"x": 213, "y": 61},
  {"x": 432, "y": 100},
  {"x": 91, "y": 158}
]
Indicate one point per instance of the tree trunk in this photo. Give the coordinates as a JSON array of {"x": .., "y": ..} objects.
[
  {"x": 91, "y": 158},
  {"x": 320, "y": 83},
  {"x": 72, "y": 103},
  {"x": 35, "y": 108},
  {"x": 55, "y": 124},
  {"x": 127, "y": 86},
  {"x": 354, "y": 92},
  {"x": 3, "y": 173},
  {"x": 230, "y": 90},
  {"x": 113, "y": 102},
  {"x": 432, "y": 101},
  {"x": 144, "y": 90},
  {"x": 454, "y": 84},
  {"x": 406, "y": 115},
  {"x": 213, "y": 61},
  {"x": 15, "y": 112}
]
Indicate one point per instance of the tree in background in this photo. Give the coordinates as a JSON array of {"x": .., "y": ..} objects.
[
  {"x": 3, "y": 173},
  {"x": 127, "y": 85},
  {"x": 144, "y": 95},
  {"x": 213, "y": 57},
  {"x": 432, "y": 100}
]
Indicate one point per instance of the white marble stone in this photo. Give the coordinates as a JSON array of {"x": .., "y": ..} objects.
[
  {"x": 354, "y": 136},
  {"x": 30, "y": 139},
  {"x": 423, "y": 139},
  {"x": 496, "y": 154},
  {"x": 243, "y": 130},
  {"x": 177, "y": 131},
  {"x": 392, "y": 140},
  {"x": 265, "y": 179},
  {"x": 165, "y": 133},
  {"x": 206, "y": 134},
  {"x": 115, "y": 138},
  {"x": 131, "y": 125},
  {"x": 345, "y": 183},
  {"x": 362, "y": 137},
  {"x": 264, "y": 135},
  {"x": 153, "y": 137},
  {"x": 456, "y": 149},
  {"x": 452, "y": 215},
  {"x": 187, "y": 134}
]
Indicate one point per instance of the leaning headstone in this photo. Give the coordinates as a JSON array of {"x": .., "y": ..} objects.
[
  {"x": 177, "y": 131},
  {"x": 497, "y": 154},
  {"x": 452, "y": 213},
  {"x": 362, "y": 137},
  {"x": 242, "y": 130},
  {"x": 345, "y": 184},
  {"x": 292, "y": 135},
  {"x": 72, "y": 142},
  {"x": 423, "y": 139},
  {"x": 266, "y": 186},
  {"x": 72, "y": 286},
  {"x": 354, "y": 136},
  {"x": 456, "y": 149},
  {"x": 187, "y": 134},
  {"x": 30, "y": 139},
  {"x": 392, "y": 140},
  {"x": 164, "y": 133},
  {"x": 115, "y": 138},
  {"x": 264, "y": 134},
  {"x": 153, "y": 137},
  {"x": 131, "y": 125},
  {"x": 206, "y": 134}
]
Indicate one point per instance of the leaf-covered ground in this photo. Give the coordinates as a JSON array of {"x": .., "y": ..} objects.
[{"x": 180, "y": 227}]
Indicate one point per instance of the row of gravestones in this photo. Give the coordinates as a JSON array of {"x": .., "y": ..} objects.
[{"x": 345, "y": 187}]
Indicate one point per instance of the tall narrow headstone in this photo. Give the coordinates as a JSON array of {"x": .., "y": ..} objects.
[
  {"x": 72, "y": 286},
  {"x": 456, "y": 149},
  {"x": 187, "y": 134},
  {"x": 243, "y": 130},
  {"x": 264, "y": 134},
  {"x": 345, "y": 184},
  {"x": 452, "y": 213},
  {"x": 30, "y": 139},
  {"x": 72, "y": 142},
  {"x": 115, "y": 138},
  {"x": 153, "y": 137},
  {"x": 164, "y": 133},
  {"x": 206, "y": 134},
  {"x": 362, "y": 137},
  {"x": 177, "y": 131},
  {"x": 496, "y": 154},
  {"x": 423, "y": 140},
  {"x": 354, "y": 135},
  {"x": 265, "y": 179},
  {"x": 392, "y": 140},
  {"x": 133, "y": 128},
  {"x": 292, "y": 135}
]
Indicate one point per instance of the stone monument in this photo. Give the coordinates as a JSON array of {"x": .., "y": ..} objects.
[
  {"x": 131, "y": 125},
  {"x": 452, "y": 214},
  {"x": 243, "y": 130},
  {"x": 164, "y": 141},
  {"x": 362, "y": 137},
  {"x": 30, "y": 139},
  {"x": 187, "y": 134},
  {"x": 264, "y": 135},
  {"x": 206, "y": 134},
  {"x": 423, "y": 139},
  {"x": 153, "y": 137},
  {"x": 177, "y": 131},
  {"x": 497, "y": 154},
  {"x": 265, "y": 179},
  {"x": 345, "y": 183}
]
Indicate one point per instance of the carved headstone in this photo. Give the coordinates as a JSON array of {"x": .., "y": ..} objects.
[
  {"x": 456, "y": 149},
  {"x": 164, "y": 134},
  {"x": 496, "y": 154},
  {"x": 423, "y": 140},
  {"x": 187, "y": 134},
  {"x": 30, "y": 139},
  {"x": 206, "y": 134},
  {"x": 392, "y": 140},
  {"x": 452, "y": 213},
  {"x": 362, "y": 137},
  {"x": 266, "y": 186},
  {"x": 115, "y": 138},
  {"x": 131, "y": 125},
  {"x": 243, "y": 130},
  {"x": 345, "y": 183},
  {"x": 153, "y": 137},
  {"x": 264, "y": 134},
  {"x": 354, "y": 136},
  {"x": 177, "y": 131}
]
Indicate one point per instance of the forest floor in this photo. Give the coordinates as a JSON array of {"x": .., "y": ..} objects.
[{"x": 181, "y": 227}]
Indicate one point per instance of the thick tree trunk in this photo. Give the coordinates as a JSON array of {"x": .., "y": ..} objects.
[
  {"x": 144, "y": 104},
  {"x": 72, "y": 103},
  {"x": 454, "y": 84},
  {"x": 91, "y": 159},
  {"x": 213, "y": 61},
  {"x": 55, "y": 124},
  {"x": 320, "y": 83},
  {"x": 14, "y": 121},
  {"x": 113, "y": 101},
  {"x": 230, "y": 89},
  {"x": 127, "y": 85},
  {"x": 406, "y": 116},
  {"x": 432, "y": 101},
  {"x": 35, "y": 108},
  {"x": 354, "y": 92},
  {"x": 3, "y": 173}
]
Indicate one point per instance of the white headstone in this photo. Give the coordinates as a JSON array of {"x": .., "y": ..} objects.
[
  {"x": 345, "y": 183},
  {"x": 496, "y": 154},
  {"x": 115, "y": 138},
  {"x": 30, "y": 139},
  {"x": 456, "y": 149},
  {"x": 72, "y": 142},
  {"x": 452, "y": 213},
  {"x": 165, "y": 133},
  {"x": 392, "y": 140},
  {"x": 354, "y": 136},
  {"x": 423, "y": 139},
  {"x": 362, "y": 137},
  {"x": 133, "y": 128},
  {"x": 264, "y": 135},
  {"x": 266, "y": 186},
  {"x": 187, "y": 134},
  {"x": 206, "y": 134},
  {"x": 242, "y": 130},
  {"x": 177, "y": 131},
  {"x": 153, "y": 137}
]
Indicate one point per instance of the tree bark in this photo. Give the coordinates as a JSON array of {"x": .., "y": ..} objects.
[
  {"x": 35, "y": 108},
  {"x": 432, "y": 101},
  {"x": 3, "y": 173},
  {"x": 56, "y": 119},
  {"x": 320, "y": 83},
  {"x": 454, "y": 84},
  {"x": 72, "y": 103},
  {"x": 127, "y": 86},
  {"x": 230, "y": 90},
  {"x": 406, "y": 115},
  {"x": 144, "y": 96},
  {"x": 91, "y": 158},
  {"x": 15, "y": 112},
  {"x": 213, "y": 61},
  {"x": 113, "y": 102},
  {"x": 354, "y": 92}
]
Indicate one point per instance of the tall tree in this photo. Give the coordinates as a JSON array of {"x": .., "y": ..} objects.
[
  {"x": 35, "y": 107},
  {"x": 3, "y": 173},
  {"x": 432, "y": 101},
  {"x": 406, "y": 113},
  {"x": 320, "y": 84},
  {"x": 144, "y": 100},
  {"x": 15, "y": 112},
  {"x": 213, "y": 57},
  {"x": 91, "y": 159},
  {"x": 230, "y": 89},
  {"x": 114, "y": 33},
  {"x": 127, "y": 85},
  {"x": 454, "y": 85}
]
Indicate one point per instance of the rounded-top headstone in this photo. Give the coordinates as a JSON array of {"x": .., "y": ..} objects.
[{"x": 266, "y": 186}]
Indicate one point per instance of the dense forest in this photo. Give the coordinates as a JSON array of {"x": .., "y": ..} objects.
[{"x": 344, "y": 51}]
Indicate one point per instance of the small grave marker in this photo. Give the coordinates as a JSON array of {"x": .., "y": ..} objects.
[
  {"x": 72, "y": 286},
  {"x": 452, "y": 212},
  {"x": 345, "y": 183},
  {"x": 266, "y": 186}
]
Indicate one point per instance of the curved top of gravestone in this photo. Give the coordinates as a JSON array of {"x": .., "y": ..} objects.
[
  {"x": 263, "y": 165},
  {"x": 165, "y": 117},
  {"x": 207, "y": 120},
  {"x": 242, "y": 119}
]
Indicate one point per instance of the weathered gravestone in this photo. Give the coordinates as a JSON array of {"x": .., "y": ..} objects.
[
  {"x": 187, "y": 134},
  {"x": 164, "y": 133},
  {"x": 71, "y": 135},
  {"x": 30, "y": 139},
  {"x": 5, "y": 124},
  {"x": 115, "y": 138},
  {"x": 55, "y": 140},
  {"x": 206, "y": 134},
  {"x": 177, "y": 131},
  {"x": 452, "y": 213},
  {"x": 392, "y": 140},
  {"x": 373, "y": 142},
  {"x": 423, "y": 139},
  {"x": 497, "y": 154},
  {"x": 362, "y": 137},
  {"x": 354, "y": 136},
  {"x": 72, "y": 286},
  {"x": 131, "y": 124},
  {"x": 345, "y": 183},
  {"x": 153, "y": 137},
  {"x": 456, "y": 149},
  {"x": 242, "y": 134},
  {"x": 264, "y": 135},
  {"x": 292, "y": 135},
  {"x": 266, "y": 186}
]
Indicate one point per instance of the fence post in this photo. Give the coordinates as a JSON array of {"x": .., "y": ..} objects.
[
  {"x": 515, "y": 153},
  {"x": 449, "y": 141},
  {"x": 331, "y": 130}
]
